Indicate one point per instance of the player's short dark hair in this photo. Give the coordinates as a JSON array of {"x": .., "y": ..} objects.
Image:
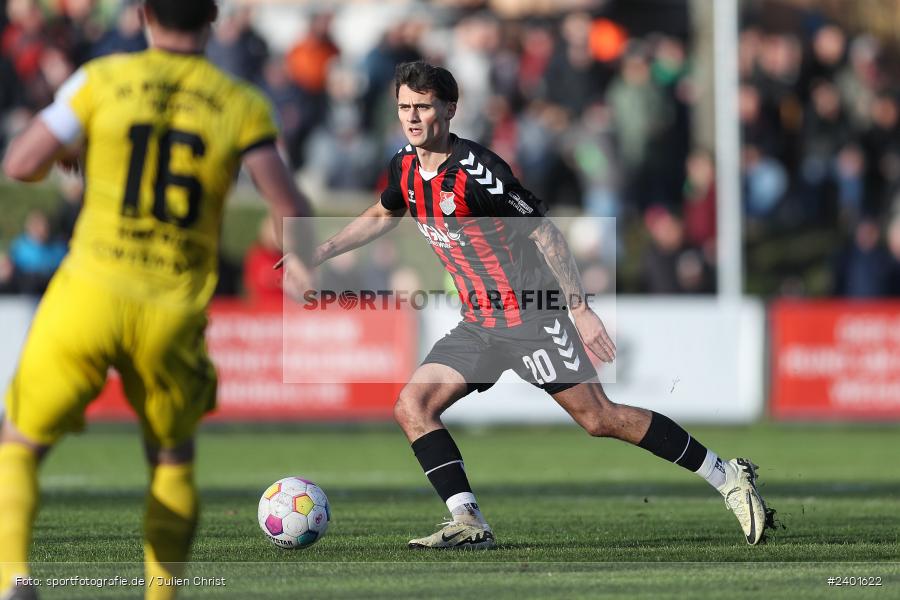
[
  {"x": 183, "y": 15},
  {"x": 421, "y": 77}
]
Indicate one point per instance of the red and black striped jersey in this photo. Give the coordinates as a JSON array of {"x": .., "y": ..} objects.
[{"x": 477, "y": 218}]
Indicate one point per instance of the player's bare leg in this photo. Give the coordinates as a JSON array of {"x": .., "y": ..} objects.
[
  {"x": 19, "y": 495},
  {"x": 171, "y": 517},
  {"x": 589, "y": 406},
  {"x": 432, "y": 389}
]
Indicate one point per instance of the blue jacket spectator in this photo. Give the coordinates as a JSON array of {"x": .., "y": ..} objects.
[
  {"x": 35, "y": 255},
  {"x": 863, "y": 268},
  {"x": 126, "y": 36}
]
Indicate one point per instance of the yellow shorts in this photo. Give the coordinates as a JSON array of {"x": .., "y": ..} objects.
[{"x": 82, "y": 328}]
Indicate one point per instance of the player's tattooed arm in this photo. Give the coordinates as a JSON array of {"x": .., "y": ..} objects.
[
  {"x": 553, "y": 246},
  {"x": 373, "y": 223}
]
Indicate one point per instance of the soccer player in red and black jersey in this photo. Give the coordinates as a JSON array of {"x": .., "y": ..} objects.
[{"x": 509, "y": 264}]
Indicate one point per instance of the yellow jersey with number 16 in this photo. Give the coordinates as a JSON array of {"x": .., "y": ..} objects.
[{"x": 164, "y": 136}]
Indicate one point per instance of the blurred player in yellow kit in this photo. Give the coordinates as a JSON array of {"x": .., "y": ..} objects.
[{"x": 164, "y": 133}]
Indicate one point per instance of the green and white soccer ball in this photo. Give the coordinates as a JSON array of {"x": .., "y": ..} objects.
[{"x": 293, "y": 513}]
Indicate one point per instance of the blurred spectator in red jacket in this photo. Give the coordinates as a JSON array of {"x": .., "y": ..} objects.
[
  {"x": 700, "y": 202},
  {"x": 262, "y": 283},
  {"x": 23, "y": 41}
]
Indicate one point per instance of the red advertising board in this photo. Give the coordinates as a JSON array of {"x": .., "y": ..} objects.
[
  {"x": 835, "y": 360},
  {"x": 352, "y": 364}
]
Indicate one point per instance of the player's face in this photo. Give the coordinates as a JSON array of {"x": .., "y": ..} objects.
[{"x": 424, "y": 117}]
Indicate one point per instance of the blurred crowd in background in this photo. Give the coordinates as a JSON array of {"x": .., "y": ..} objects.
[
  {"x": 593, "y": 110},
  {"x": 820, "y": 127}
]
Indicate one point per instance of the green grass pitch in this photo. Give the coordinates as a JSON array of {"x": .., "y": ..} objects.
[{"x": 575, "y": 517}]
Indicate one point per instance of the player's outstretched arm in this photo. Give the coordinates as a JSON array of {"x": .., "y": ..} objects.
[
  {"x": 553, "y": 246},
  {"x": 278, "y": 189},
  {"x": 371, "y": 224},
  {"x": 32, "y": 153},
  {"x": 274, "y": 182}
]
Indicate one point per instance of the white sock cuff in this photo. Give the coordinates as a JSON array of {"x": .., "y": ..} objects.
[
  {"x": 457, "y": 500},
  {"x": 708, "y": 471},
  {"x": 709, "y": 463}
]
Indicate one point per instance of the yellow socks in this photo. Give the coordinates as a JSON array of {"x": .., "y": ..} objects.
[
  {"x": 18, "y": 507},
  {"x": 168, "y": 527}
]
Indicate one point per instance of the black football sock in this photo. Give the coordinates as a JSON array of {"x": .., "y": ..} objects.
[
  {"x": 668, "y": 440},
  {"x": 443, "y": 465}
]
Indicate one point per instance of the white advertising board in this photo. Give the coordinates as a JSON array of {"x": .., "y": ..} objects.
[
  {"x": 695, "y": 360},
  {"x": 15, "y": 318}
]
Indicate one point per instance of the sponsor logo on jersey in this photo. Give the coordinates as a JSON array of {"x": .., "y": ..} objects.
[
  {"x": 520, "y": 205},
  {"x": 442, "y": 238},
  {"x": 412, "y": 195},
  {"x": 447, "y": 203}
]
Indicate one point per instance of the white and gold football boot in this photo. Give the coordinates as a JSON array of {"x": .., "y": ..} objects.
[
  {"x": 743, "y": 499},
  {"x": 457, "y": 535}
]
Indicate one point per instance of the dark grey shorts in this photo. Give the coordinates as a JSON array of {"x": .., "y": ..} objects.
[{"x": 545, "y": 351}]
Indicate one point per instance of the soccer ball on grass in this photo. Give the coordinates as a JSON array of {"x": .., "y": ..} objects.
[{"x": 293, "y": 513}]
